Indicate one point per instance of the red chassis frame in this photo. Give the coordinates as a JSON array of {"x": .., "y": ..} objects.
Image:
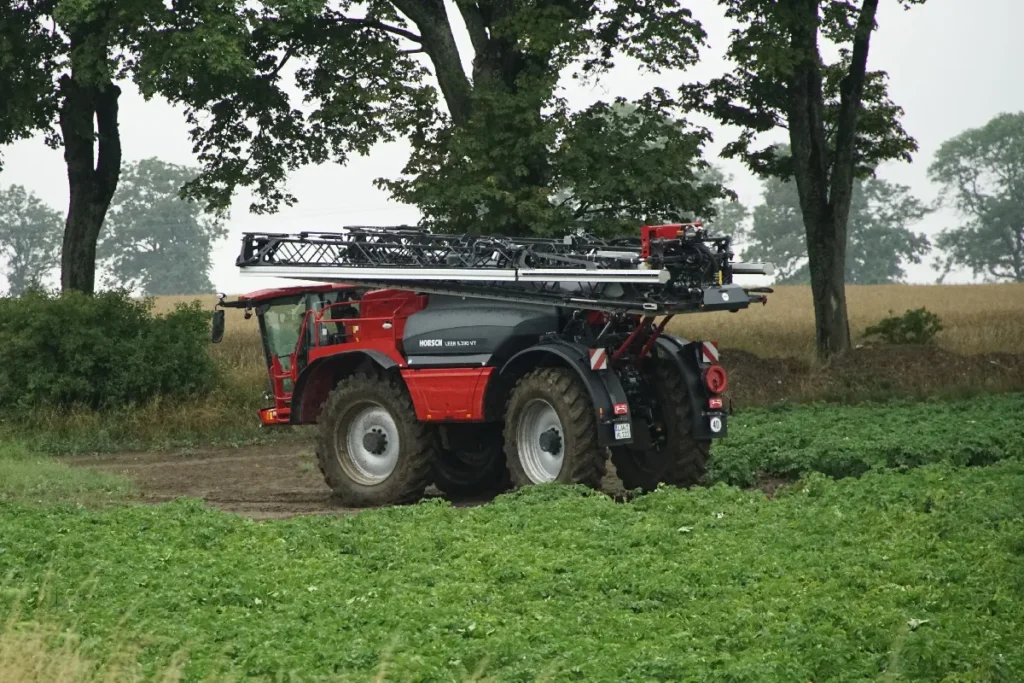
[{"x": 438, "y": 394}]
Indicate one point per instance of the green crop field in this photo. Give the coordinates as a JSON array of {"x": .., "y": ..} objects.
[{"x": 909, "y": 566}]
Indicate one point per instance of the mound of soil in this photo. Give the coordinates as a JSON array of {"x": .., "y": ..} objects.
[{"x": 870, "y": 372}]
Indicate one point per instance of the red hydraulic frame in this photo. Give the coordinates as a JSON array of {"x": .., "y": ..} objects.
[{"x": 438, "y": 394}]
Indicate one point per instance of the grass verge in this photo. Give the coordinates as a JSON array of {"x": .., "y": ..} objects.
[
  {"x": 912, "y": 576},
  {"x": 30, "y": 478}
]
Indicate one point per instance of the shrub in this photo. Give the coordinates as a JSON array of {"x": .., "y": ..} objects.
[
  {"x": 918, "y": 326},
  {"x": 99, "y": 351}
]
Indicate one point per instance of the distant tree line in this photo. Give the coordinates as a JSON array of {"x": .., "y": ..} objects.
[
  {"x": 152, "y": 240},
  {"x": 980, "y": 173}
]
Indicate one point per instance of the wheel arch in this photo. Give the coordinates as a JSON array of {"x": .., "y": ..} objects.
[
  {"x": 677, "y": 351},
  {"x": 317, "y": 379},
  {"x": 551, "y": 354}
]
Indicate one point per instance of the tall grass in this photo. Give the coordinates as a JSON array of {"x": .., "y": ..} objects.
[
  {"x": 28, "y": 478},
  {"x": 977, "y": 318}
]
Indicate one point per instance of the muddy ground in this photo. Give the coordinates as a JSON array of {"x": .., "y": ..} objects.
[
  {"x": 261, "y": 482},
  {"x": 264, "y": 482}
]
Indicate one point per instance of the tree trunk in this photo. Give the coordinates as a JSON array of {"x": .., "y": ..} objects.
[
  {"x": 826, "y": 249},
  {"x": 431, "y": 19},
  {"x": 825, "y": 178},
  {"x": 92, "y": 174}
]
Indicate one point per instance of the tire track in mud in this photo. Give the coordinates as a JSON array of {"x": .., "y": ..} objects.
[{"x": 262, "y": 482}]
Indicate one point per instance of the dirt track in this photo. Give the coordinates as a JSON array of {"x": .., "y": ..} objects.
[{"x": 262, "y": 482}]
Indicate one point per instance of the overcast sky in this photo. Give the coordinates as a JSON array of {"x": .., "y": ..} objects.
[{"x": 953, "y": 64}]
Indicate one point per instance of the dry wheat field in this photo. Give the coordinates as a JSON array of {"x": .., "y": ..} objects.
[{"x": 985, "y": 318}]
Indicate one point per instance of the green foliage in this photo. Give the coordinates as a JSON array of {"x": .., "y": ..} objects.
[
  {"x": 842, "y": 441},
  {"x": 503, "y": 153},
  {"x": 101, "y": 352},
  {"x": 29, "y": 54},
  {"x": 728, "y": 215},
  {"x": 757, "y": 95},
  {"x": 606, "y": 169},
  {"x": 153, "y": 240},
  {"x": 41, "y": 43},
  {"x": 903, "y": 576},
  {"x": 879, "y": 239},
  {"x": 840, "y": 122},
  {"x": 30, "y": 234},
  {"x": 918, "y": 326},
  {"x": 980, "y": 172}
]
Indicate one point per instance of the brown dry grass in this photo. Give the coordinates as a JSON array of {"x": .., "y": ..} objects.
[
  {"x": 240, "y": 353},
  {"x": 977, "y": 318}
]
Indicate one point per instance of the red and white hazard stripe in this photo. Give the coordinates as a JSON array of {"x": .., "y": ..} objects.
[
  {"x": 598, "y": 359},
  {"x": 709, "y": 352}
]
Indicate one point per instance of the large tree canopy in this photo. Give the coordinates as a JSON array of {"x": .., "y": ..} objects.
[
  {"x": 152, "y": 239},
  {"x": 982, "y": 174},
  {"x": 880, "y": 243},
  {"x": 60, "y": 61},
  {"x": 503, "y": 154},
  {"x": 839, "y": 119}
]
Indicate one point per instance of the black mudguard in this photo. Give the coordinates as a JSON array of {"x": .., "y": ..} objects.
[
  {"x": 603, "y": 385},
  {"x": 347, "y": 362},
  {"x": 685, "y": 355}
]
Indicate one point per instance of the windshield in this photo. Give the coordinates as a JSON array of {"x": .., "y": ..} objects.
[{"x": 283, "y": 322}]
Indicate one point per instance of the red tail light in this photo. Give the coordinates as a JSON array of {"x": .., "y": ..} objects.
[{"x": 715, "y": 379}]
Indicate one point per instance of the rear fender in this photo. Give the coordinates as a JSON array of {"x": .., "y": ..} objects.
[
  {"x": 603, "y": 386},
  {"x": 685, "y": 355},
  {"x": 318, "y": 378}
]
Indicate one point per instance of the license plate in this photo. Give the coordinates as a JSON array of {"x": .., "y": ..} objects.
[{"x": 622, "y": 431}]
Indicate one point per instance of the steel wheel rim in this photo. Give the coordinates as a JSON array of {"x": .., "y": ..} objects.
[
  {"x": 539, "y": 417},
  {"x": 365, "y": 465}
]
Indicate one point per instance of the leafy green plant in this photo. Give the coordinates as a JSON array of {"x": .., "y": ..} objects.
[
  {"x": 104, "y": 351},
  {"x": 847, "y": 441},
  {"x": 911, "y": 576},
  {"x": 918, "y": 326}
]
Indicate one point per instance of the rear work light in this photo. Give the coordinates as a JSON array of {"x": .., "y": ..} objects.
[{"x": 715, "y": 379}]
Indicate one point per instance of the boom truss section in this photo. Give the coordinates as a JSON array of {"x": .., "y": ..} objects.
[{"x": 669, "y": 269}]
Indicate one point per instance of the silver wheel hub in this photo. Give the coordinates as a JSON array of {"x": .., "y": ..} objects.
[
  {"x": 371, "y": 444},
  {"x": 541, "y": 441}
]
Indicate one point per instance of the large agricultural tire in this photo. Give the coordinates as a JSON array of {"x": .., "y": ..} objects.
[
  {"x": 681, "y": 460},
  {"x": 473, "y": 469},
  {"x": 370, "y": 447},
  {"x": 639, "y": 469},
  {"x": 550, "y": 431}
]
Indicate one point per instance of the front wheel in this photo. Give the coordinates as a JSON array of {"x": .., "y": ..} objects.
[
  {"x": 370, "y": 448},
  {"x": 550, "y": 431}
]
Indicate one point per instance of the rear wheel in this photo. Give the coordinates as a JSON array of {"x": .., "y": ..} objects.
[
  {"x": 473, "y": 463},
  {"x": 370, "y": 448},
  {"x": 550, "y": 431},
  {"x": 681, "y": 460}
]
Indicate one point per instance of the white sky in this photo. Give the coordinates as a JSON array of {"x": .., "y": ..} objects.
[{"x": 953, "y": 64}]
